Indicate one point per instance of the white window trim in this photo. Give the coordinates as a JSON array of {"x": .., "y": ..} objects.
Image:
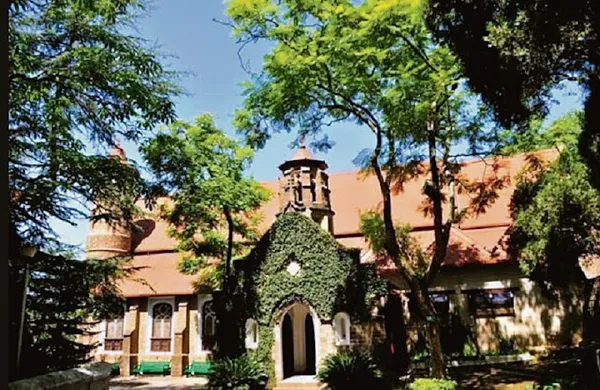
[
  {"x": 249, "y": 343},
  {"x": 103, "y": 335},
  {"x": 151, "y": 302},
  {"x": 202, "y": 300},
  {"x": 336, "y": 319}
]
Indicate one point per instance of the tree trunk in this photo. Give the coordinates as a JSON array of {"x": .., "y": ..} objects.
[
  {"x": 591, "y": 306},
  {"x": 437, "y": 363}
]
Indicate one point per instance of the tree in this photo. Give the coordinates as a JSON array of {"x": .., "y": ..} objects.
[
  {"x": 76, "y": 80},
  {"x": 212, "y": 206},
  {"x": 515, "y": 52},
  {"x": 556, "y": 214},
  {"x": 373, "y": 64}
]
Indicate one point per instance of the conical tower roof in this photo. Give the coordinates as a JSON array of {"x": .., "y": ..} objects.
[{"x": 303, "y": 157}]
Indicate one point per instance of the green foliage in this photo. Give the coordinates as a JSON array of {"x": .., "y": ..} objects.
[
  {"x": 75, "y": 79},
  {"x": 412, "y": 257},
  {"x": 372, "y": 63},
  {"x": 349, "y": 369},
  {"x": 557, "y": 219},
  {"x": 330, "y": 279},
  {"x": 564, "y": 131},
  {"x": 202, "y": 171},
  {"x": 63, "y": 295},
  {"x": 328, "y": 273},
  {"x": 240, "y": 373},
  {"x": 515, "y": 53},
  {"x": 432, "y": 384}
]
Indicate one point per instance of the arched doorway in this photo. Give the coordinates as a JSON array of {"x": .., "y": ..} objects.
[{"x": 298, "y": 342}]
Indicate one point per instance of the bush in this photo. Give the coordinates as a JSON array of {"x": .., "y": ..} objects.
[
  {"x": 432, "y": 384},
  {"x": 241, "y": 373},
  {"x": 353, "y": 369}
]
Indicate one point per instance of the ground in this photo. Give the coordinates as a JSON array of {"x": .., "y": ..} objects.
[
  {"x": 157, "y": 382},
  {"x": 560, "y": 366}
]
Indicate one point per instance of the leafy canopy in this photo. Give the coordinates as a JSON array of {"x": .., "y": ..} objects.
[
  {"x": 202, "y": 172},
  {"x": 76, "y": 80},
  {"x": 556, "y": 210},
  {"x": 515, "y": 52}
]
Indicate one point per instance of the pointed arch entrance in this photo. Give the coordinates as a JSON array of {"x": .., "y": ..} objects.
[{"x": 296, "y": 336}]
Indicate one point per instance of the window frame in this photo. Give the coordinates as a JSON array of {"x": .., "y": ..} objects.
[
  {"x": 491, "y": 312},
  {"x": 153, "y": 301},
  {"x": 339, "y": 341},
  {"x": 250, "y": 343},
  {"x": 103, "y": 335},
  {"x": 202, "y": 324}
]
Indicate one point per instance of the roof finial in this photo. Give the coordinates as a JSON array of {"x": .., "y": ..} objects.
[{"x": 301, "y": 141}]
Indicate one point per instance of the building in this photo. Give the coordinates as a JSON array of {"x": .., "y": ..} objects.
[{"x": 308, "y": 318}]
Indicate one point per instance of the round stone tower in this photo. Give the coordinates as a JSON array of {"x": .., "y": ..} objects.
[
  {"x": 304, "y": 187},
  {"x": 109, "y": 239}
]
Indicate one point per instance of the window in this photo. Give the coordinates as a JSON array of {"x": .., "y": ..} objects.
[
  {"x": 209, "y": 326},
  {"x": 491, "y": 303},
  {"x": 341, "y": 327},
  {"x": 113, "y": 332},
  {"x": 162, "y": 316},
  {"x": 441, "y": 302},
  {"x": 251, "y": 334}
]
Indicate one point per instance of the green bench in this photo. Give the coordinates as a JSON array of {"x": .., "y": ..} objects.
[
  {"x": 162, "y": 368},
  {"x": 198, "y": 368}
]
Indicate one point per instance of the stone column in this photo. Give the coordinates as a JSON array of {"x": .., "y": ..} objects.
[
  {"x": 180, "y": 322},
  {"x": 129, "y": 327}
]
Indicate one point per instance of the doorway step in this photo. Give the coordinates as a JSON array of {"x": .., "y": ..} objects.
[{"x": 300, "y": 382}]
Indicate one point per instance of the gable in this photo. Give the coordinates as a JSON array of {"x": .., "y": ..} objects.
[{"x": 329, "y": 277}]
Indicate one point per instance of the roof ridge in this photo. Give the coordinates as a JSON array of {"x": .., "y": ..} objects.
[{"x": 466, "y": 162}]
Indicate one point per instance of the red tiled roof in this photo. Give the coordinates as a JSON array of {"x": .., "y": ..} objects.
[{"x": 476, "y": 240}]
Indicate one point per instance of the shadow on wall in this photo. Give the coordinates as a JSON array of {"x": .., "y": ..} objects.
[
  {"x": 541, "y": 317},
  {"x": 145, "y": 229}
]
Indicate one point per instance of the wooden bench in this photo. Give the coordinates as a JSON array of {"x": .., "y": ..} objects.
[
  {"x": 198, "y": 368},
  {"x": 151, "y": 367}
]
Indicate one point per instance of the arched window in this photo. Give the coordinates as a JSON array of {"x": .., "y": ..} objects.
[
  {"x": 113, "y": 332},
  {"x": 209, "y": 326},
  {"x": 162, "y": 316},
  {"x": 341, "y": 328},
  {"x": 251, "y": 334}
]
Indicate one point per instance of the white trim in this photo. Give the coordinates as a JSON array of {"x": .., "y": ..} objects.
[
  {"x": 277, "y": 329},
  {"x": 202, "y": 300},
  {"x": 336, "y": 330},
  {"x": 250, "y": 342},
  {"x": 151, "y": 302},
  {"x": 102, "y": 336}
]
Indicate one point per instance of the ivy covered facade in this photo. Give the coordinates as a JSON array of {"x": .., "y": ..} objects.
[{"x": 311, "y": 286}]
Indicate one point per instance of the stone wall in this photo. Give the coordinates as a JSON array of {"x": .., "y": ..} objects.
[{"x": 92, "y": 377}]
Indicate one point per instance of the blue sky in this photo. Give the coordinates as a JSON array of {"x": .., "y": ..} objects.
[{"x": 185, "y": 30}]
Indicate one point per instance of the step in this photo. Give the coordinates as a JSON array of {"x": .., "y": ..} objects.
[{"x": 300, "y": 382}]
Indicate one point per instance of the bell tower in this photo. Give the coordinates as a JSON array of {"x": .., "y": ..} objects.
[
  {"x": 109, "y": 239},
  {"x": 304, "y": 187}
]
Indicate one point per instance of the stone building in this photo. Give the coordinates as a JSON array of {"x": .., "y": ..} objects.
[{"x": 166, "y": 319}]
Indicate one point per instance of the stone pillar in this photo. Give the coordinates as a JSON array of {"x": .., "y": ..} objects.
[
  {"x": 180, "y": 327},
  {"x": 130, "y": 325}
]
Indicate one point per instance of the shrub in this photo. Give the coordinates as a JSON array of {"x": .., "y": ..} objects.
[
  {"x": 432, "y": 384},
  {"x": 353, "y": 369},
  {"x": 241, "y": 373}
]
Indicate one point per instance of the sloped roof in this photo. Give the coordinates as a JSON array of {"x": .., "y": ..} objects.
[{"x": 476, "y": 240}]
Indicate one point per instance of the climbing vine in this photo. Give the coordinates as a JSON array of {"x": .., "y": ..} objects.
[{"x": 328, "y": 277}]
